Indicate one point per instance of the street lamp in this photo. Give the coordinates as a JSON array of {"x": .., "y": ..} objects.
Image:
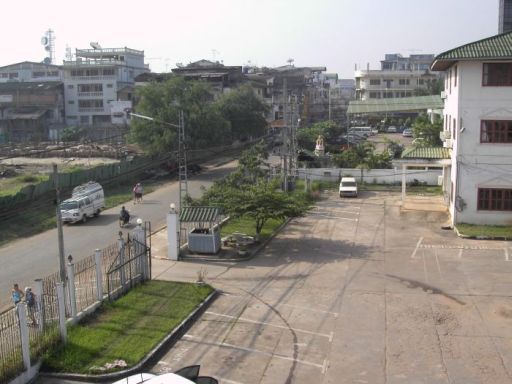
[{"x": 182, "y": 154}]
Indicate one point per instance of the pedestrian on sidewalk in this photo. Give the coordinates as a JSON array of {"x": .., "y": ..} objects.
[{"x": 16, "y": 294}]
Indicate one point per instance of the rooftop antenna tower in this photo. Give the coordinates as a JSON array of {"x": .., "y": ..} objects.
[{"x": 48, "y": 41}]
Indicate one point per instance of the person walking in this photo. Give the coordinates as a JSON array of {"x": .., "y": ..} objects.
[
  {"x": 30, "y": 299},
  {"x": 16, "y": 294},
  {"x": 137, "y": 193}
]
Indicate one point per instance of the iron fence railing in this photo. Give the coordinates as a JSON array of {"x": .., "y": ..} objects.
[{"x": 44, "y": 334}]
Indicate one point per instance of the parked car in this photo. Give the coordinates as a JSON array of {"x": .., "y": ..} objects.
[
  {"x": 348, "y": 187},
  {"x": 407, "y": 132},
  {"x": 392, "y": 129}
]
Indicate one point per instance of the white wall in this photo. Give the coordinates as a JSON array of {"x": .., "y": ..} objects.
[
  {"x": 373, "y": 176},
  {"x": 477, "y": 164}
]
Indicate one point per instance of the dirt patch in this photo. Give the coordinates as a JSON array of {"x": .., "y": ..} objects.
[{"x": 505, "y": 312}]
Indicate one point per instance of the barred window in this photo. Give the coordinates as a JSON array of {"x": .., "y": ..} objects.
[
  {"x": 494, "y": 199},
  {"x": 496, "y": 131}
]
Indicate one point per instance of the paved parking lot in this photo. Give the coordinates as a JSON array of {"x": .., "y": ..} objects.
[{"x": 357, "y": 291}]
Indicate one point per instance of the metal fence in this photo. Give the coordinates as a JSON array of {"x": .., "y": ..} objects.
[{"x": 123, "y": 265}]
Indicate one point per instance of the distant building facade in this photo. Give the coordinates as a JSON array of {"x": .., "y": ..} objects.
[
  {"x": 398, "y": 77},
  {"x": 96, "y": 80},
  {"x": 505, "y": 16},
  {"x": 31, "y": 102}
]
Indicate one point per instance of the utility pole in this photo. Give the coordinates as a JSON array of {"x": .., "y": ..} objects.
[
  {"x": 285, "y": 135},
  {"x": 182, "y": 160},
  {"x": 62, "y": 261}
]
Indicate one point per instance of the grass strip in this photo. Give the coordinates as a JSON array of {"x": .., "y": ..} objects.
[
  {"x": 485, "y": 230},
  {"x": 247, "y": 225},
  {"x": 127, "y": 329}
]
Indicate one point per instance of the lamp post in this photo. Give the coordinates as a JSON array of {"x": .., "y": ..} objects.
[{"x": 182, "y": 153}]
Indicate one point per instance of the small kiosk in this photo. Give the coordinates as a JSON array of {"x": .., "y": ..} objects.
[{"x": 203, "y": 229}]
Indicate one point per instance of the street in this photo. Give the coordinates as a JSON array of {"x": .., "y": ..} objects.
[{"x": 27, "y": 259}]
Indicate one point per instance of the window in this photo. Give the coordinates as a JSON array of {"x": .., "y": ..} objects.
[
  {"x": 52, "y": 73},
  {"x": 494, "y": 199},
  {"x": 110, "y": 85},
  {"x": 374, "y": 81},
  {"x": 496, "y": 131},
  {"x": 108, "y": 72},
  {"x": 387, "y": 95},
  {"x": 71, "y": 101},
  {"x": 38, "y": 74},
  {"x": 90, "y": 103},
  {"x": 71, "y": 86},
  {"x": 374, "y": 95},
  {"x": 13, "y": 75},
  {"x": 408, "y": 94},
  {"x": 495, "y": 74},
  {"x": 5, "y": 75},
  {"x": 403, "y": 81},
  {"x": 421, "y": 81}
]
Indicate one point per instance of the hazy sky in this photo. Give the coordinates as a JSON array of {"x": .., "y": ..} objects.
[{"x": 336, "y": 34}]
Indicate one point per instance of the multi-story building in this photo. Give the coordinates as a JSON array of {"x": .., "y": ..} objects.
[
  {"x": 31, "y": 102},
  {"x": 398, "y": 77},
  {"x": 505, "y": 16},
  {"x": 97, "y": 80},
  {"x": 478, "y": 129}
]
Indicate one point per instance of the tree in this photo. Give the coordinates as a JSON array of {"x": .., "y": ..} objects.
[
  {"x": 306, "y": 136},
  {"x": 204, "y": 125},
  {"x": 247, "y": 192},
  {"x": 426, "y": 131},
  {"x": 245, "y": 112}
]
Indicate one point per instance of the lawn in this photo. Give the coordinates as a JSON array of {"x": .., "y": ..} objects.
[
  {"x": 246, "y": 225},
  {"x": 127, "y": 329},
  {"x": 485, "y": 230}
]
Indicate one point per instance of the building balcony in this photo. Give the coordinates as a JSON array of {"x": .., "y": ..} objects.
[
  {"x": 95, "y": 109},
  {"x": 92, "y": 78},
  {"x": 90, "y": 94}
]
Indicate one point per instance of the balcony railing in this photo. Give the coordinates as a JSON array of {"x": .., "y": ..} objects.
[
  {"x": 89, "y": 94},
  {"x": 95, "y": 109}
]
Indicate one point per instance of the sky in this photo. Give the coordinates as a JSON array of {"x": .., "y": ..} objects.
[{"x": 336, "y": 34}]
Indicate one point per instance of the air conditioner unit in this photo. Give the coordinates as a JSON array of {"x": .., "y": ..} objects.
[
  {"x": 440, "y": 180},
  {"x": 443, "y": 95},
  {"x": 448, "y": 143},
  {"x": 444, "y": 135}
]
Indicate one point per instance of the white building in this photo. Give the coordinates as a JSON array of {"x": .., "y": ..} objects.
[
  {"x": 478, "y": 128},
  {"x": 398, "y": 77},
  {"x": 96, "y": 80}
]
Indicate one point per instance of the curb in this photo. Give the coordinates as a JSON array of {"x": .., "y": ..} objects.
[
  {"x": 462, "y": 236},
  {"x": 150, "y": 358}
]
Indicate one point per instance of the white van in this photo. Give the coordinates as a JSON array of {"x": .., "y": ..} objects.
[
  {"x": 367, "y": 131},
  {"x": 87, "y": 200},
  {"x": 348, "y": 187}
]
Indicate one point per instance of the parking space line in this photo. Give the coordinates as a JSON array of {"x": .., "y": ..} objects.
[
  {"x": 416, "y": 249},
  {"x": 438, "y": 263},
  {"x": 232, "y": 346},
  {"x": 506, "y": 254},
  {"x": 224, "y": 380},
  {"x": 328, "y": 336},
  {"x": 335, "y": 314}
]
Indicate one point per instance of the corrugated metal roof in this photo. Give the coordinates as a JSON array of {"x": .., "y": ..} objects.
[
  {"x": 426, "y": 153},
  {"x": 396, "y": 104},
  {"x": 496, "y": 47},
  {"x": 199, "y": 214}
]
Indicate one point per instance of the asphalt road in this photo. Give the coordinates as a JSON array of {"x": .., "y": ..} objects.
[{"x": 27, "y": 259}]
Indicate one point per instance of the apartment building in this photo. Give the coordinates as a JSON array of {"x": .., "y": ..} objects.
[
  {"x": 31, "y": 102},
  {"x": 505, "y": 16},
  {"x": 97, "y": 81},
  {"x": 478, "y": 129},
  {"x": 398, "y": 76}
]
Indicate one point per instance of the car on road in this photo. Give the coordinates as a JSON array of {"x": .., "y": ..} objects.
[
  {"x": 348, "y": 187},
  {"x": 392, "y": 129},
  {"x": 407, "y": 132}
]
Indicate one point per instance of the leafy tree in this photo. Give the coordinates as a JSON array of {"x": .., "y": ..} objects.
[
  {"x": 426, "y": 131},
  {"x": 363, "y": 156},
  {"x": 245, "y": 111},
  {"x": 204, "y": 126},
  {"x": 306, "y": 136},
  {"x": 247, "y": 192}
]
